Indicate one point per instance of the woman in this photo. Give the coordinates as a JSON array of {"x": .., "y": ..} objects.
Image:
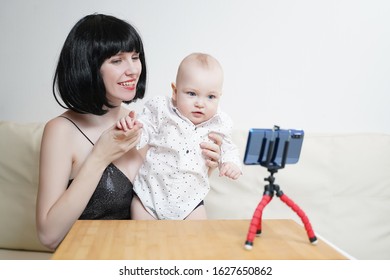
[{"x": 87, "y": 165}]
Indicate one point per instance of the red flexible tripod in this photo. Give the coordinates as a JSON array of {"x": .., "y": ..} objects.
[{"x": 269, "y": 191}]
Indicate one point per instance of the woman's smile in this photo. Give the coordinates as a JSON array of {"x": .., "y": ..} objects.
[{"x": 129, "y": 85}]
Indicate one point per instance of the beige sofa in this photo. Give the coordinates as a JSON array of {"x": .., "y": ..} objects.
[{"x": 342, "y": 183}]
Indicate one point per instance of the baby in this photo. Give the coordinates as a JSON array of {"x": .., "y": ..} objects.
[{"x": 173, "y": 180}]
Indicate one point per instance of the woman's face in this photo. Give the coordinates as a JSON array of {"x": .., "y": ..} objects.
[{"x": 120, "y": 75}]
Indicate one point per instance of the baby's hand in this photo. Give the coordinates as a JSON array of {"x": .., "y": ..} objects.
[
  {"x": 230, "y": 170},
  {"x": 128, "y": 122}
]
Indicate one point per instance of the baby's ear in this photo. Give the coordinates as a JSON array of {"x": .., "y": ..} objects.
[
  {"x": 173, "y": 86},
  {"x": 174, "y": 91}
]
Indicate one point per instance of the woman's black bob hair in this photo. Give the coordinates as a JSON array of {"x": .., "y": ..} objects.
[{"x": 91, "y": 41}]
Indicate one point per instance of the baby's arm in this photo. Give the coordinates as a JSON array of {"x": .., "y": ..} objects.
[{"x": 230, "y": 170}]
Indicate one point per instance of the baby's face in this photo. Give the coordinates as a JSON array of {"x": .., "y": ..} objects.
[{"x": 197, "y": 92}]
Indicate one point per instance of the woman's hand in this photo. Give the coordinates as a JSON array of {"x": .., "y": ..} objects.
[
  {"x": 115, "y": 142},
  {"x": 212, "y": 151}
]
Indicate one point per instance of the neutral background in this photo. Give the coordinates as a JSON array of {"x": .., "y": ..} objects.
[{"x": 322, "y": 66}]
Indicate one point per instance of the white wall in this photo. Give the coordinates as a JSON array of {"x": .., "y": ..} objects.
[{"x": 323, "y": 66}]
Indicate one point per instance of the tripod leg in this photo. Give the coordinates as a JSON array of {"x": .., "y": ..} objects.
[
  {"x": 255, "y": 226},
  {"x": 302, "y": 215}
]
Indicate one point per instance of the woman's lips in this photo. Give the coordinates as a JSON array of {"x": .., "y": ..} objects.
[{"x": 130, "y": 85}]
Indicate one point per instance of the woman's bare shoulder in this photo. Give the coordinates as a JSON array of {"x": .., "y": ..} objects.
[
  {"x": 60, "y": 129},
  {"x": 58, "y": 124}
]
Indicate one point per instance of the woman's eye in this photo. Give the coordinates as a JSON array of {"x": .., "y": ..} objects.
[
  {"x": 136, "y": 57},
  {"x": 116, "y": 61}
]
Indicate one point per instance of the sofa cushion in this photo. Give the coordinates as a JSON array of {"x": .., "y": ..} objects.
[
  {"x": 24, "y": 255},
  {"x": 19, "y": 165}
]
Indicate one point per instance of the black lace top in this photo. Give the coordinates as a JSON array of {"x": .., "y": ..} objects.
[{"x": 112, "y": 197}]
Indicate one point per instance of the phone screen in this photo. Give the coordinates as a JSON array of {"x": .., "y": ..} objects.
[{"x": 267, "y": 146}]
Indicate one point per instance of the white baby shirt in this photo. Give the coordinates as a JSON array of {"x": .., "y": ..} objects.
[{"x": 174, "y": 177}]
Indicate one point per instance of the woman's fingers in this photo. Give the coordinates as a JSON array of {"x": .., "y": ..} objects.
[{"x": 212, "y": 150}]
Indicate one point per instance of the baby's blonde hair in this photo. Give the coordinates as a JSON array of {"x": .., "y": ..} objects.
[{"x": 203, "y": 59}]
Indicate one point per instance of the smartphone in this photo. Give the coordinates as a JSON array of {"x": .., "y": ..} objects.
[{"x": 273, "y": 147}]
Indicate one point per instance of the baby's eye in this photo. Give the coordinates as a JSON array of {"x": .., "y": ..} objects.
[
  {"x": 212, "y": 97},
  {"x": 191, "y": 93}
]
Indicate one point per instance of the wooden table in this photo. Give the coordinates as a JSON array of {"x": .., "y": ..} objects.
[{"x": 189, "y": 240}]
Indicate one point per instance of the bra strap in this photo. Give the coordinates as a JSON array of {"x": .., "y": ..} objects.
[{"x": 78, "y": 129}]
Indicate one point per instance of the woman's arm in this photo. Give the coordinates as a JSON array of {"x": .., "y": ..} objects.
[{"x": 58, "y": 207}]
